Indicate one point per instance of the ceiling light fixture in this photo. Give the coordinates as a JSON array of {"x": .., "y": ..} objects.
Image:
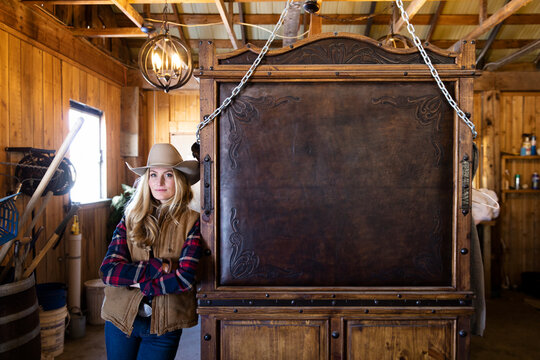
[{"x": 164, "y": 60}]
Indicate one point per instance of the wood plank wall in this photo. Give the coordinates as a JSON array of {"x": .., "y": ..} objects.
[
  {"x": 501, "y": 118},
  {"x": 36, "y": 85},
  {"x": 169, "y": 114}
]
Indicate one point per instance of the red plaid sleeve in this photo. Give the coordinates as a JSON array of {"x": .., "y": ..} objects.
[
  {"x": 183, "y": 279},
  {"x": 118, "y": 269}
]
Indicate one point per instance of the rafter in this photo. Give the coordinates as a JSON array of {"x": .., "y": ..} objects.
[
  {"x": 435, "y": 20},
  {"x": 482, "y": 11},
  {"x": 109, "y": 33},
  {"x": 498, "y": 17},
  {"x": 510, "y": 58},
  {"x": 369, "y": 23},
  {"x": 412, "y": 9},
  {"x": 226, "y": 44},
  {"x": 180, "y": 30},
  {"x": 243, "y": 30},
  {"x": 226, "y": 21},
  {"x": 340, "y": 19},
  {"x": 129, "y": 11}
]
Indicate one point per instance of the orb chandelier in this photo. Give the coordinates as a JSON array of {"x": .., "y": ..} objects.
[{"x": 165, "y": 61}]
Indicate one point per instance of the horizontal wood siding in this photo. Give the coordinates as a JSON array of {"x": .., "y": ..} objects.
[
  {"x": 169, "y": 114},
  {"x": 35, "y": 89},
  {"x": 501, "y": 119}
]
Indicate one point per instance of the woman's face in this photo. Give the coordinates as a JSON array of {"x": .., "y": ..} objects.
[{"x": 161, "y": 182}]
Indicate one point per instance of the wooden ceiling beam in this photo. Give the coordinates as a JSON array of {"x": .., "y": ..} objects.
[
  {"x": 180, "y": 29},
  {"x": 411, "y": 10},
  {"x": 498, "y": 17},
  {"x": 510, "y": 58},
  {"x": 109, "y": 33},
  {"x": 243, "y": 30},
  {"x": 338, "y": 19},
  {"x": 435, "y": 20},
  {"x": 226, "y": 44},
  {"x": 482, "y": 11},
  {"x": 226, "y": 22},
  {"x": 129, "y": 11},
  {"x": 369, "y": 22}
]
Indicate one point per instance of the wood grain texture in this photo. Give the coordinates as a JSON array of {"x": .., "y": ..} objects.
[
  {"x": 36, "y": 88},
  {"x": 401, "y": 339},
  {"x": 305, "y": 163},
  {"x": 273, "y": 339},
  {"x": 504, "y": 117}
]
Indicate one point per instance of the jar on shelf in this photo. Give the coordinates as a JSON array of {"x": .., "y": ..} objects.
[
  {"x": 526, "y": 145},
  {"x": 534, "y": 181}
]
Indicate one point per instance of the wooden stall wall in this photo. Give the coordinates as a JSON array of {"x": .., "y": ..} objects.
[
  {"x": 502, "y": 115},
  {"x": 36, "y": 85},
  {"x": 168, "y": 114}
]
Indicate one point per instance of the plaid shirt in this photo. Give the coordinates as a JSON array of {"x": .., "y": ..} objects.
[{"x": 119, "y": 270}]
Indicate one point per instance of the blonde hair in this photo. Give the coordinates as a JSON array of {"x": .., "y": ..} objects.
[{"x": 146, "y": 217}]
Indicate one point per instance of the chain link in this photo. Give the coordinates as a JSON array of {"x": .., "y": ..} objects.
[
  {"x": 434, "y": 73},
  {"x": 247, "y": 75}
]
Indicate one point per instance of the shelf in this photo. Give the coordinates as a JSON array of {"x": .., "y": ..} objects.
[
  {"x": 521, "y": 157},
  {"x": 523, "y": 164},
  {"x": 522, "y": 191}
]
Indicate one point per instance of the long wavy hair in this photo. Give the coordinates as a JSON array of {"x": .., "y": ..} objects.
[{"x": 146, "y": 217}]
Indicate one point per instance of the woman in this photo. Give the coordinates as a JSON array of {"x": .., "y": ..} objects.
[{"x": 151, "y": 262}]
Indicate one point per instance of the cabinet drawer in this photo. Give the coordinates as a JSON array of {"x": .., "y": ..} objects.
[
  {"x": 400, "y": 339},
  {"x": 273, "y": 339}
]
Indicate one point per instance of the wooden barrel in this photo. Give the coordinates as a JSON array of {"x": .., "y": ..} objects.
[{"x": 19, "y": 321}]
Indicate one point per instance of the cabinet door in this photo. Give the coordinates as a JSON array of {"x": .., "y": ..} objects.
[
  {"x": 273, "y": 339},
  {"x": 400, "y": 339}
]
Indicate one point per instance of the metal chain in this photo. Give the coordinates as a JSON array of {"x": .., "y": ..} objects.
[
  {"x": 264, "y": 50},
  {"x": 247, "y": 75},
  {"x": 433, "y": 71}
]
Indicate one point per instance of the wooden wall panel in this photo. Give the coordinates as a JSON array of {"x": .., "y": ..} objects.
[
  {"x": 169, "y": 114},
  {"x": 184, "y": 112},
  {"x": 4, "y": 105},
  {"x": 36, "y": 86},
  {"x": 503, "y": 118}
]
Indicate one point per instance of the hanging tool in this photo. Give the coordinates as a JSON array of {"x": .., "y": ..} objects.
[
  {"x": 44, "y": 182},
  {"x": 59, "y": 230},
  {"x": 26, "y": 234},
  {"x": 20, "y": 256}
]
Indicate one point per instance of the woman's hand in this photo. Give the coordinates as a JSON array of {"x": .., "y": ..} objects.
[{"x": 169, "y": 266}]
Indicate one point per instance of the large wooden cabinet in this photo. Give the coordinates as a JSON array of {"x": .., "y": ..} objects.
[{"x": 336, "y": 198}]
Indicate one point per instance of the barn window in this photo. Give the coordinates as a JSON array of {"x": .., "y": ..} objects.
[{"x": 87, "y": 153}]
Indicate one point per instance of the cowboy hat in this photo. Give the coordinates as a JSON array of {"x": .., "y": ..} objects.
[{"x": 166, "y": 155}]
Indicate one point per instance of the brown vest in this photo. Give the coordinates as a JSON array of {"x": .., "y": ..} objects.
[{"x": 169, "y": 312}]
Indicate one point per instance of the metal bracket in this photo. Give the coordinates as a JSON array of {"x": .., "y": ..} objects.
[
  {"x": 465, "y": 185},
  {"x": 207, "y": 178}
]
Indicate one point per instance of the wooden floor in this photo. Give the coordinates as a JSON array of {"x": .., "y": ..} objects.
[{"x": 512, "y": 332}]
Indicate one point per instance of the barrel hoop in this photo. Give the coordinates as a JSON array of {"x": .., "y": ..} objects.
[
  {"x": 19, "y": 315},
  {"x": 15, "y": 343},
  {"x": 17, "y": 287}
]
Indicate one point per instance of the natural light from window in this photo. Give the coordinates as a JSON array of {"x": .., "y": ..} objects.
[{"x": 87, "y": 155}]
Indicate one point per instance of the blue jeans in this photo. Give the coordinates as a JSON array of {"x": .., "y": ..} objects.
[{"x": 141, "y": 345}]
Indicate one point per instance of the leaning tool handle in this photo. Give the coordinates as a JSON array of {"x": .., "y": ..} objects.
[
  {"x": 26, "y": 235},
  {"x": 44, "y": 182},
  {"x": 50, "y": 242}
]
